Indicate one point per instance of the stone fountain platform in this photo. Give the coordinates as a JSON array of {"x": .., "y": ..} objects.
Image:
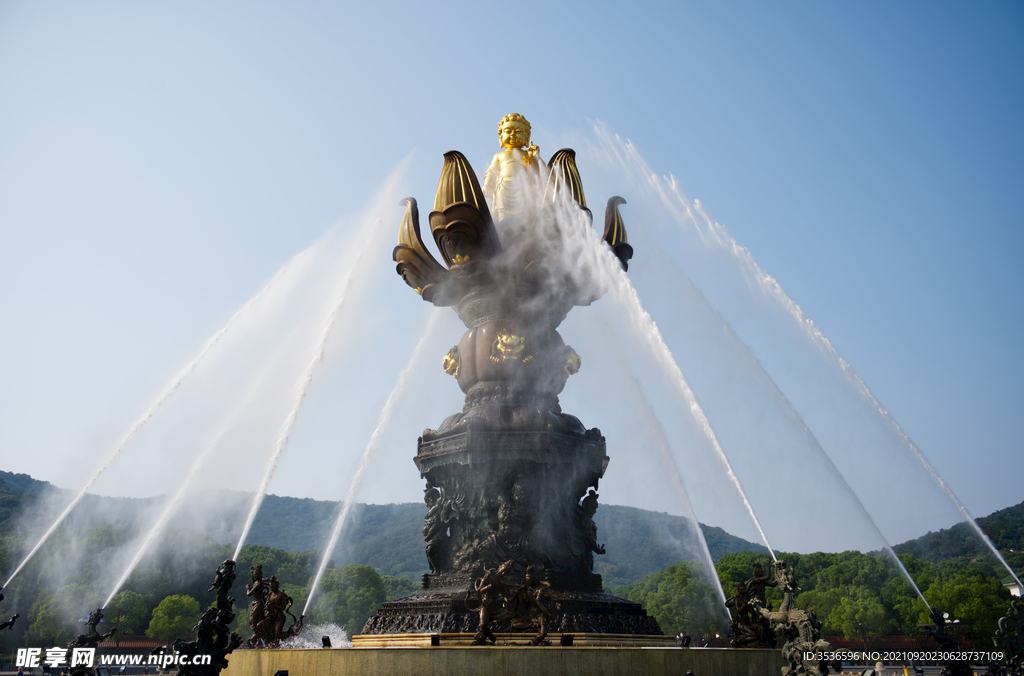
[
  {"x": 447, "y": 611},
  {"x": 506, "y": 661},
  {"x": 466, "y": 639}
]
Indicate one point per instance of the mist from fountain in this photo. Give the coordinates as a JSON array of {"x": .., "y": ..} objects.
[
  {"x": 653, "y": 425},
  {"x": 294, "y": 265},
  {"x": 194, "y": 472},
  {"x": 370, "y": 452},
  {"x": 713, "y": 317},
  {"x": 311, "y": 637},
  {"x": 648, "y": 330},
  {"x": 626, "y": 157},
  {"x": 374, "y": 231},
  {"x": 649, "y": 419},
  {"x": 583, "y": 256}
]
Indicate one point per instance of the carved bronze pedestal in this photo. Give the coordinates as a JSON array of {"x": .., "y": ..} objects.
[{"x": 511, "y": 478}]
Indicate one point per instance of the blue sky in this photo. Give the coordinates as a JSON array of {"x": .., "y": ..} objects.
[{"x": 160, "y": 161}]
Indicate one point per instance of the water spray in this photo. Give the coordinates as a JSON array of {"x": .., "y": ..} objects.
[
  {"x": 642, "y": 405},
  {"x": 651, "y": 422},
  {"x": 304, "y": 384},
  {"x": 773, "y": 289},
  {"x": 369, "y": 452},
  {"x": 164, "y": 395},
  {"x": 197, "y": 466},
  {"x": 627, "y": 295},
  {"x": 683, "y": 281},
  {"x": 626, "y": 154}
]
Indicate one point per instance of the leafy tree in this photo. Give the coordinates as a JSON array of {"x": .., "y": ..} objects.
[
  {"x": 739, "y": 567},
  {"x": 906, "y": 606},
  {"x": 129, "y": 611},
  {"x": 49, "y": 628},
  {"x": 348, "y": 596},
  {"x": 968, "y": 594},
  {"x": 823, "y": 601},
  {"x": 397, "y": 587},
  {"x": 290, "y": 568},
  {"x": 174, "y": 617},
  {"x": 679, "y": 599},
  {"x": 858, "y": 614}
]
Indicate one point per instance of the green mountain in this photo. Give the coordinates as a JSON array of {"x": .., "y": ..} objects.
[
  {"x": 1005, "y": 528},
  {"x": 387, "y": 537}
]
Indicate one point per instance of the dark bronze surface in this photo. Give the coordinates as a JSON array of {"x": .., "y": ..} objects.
[
  {"x": 1009, "y": 640},
  {"x": 213, "y": 631},
  {"x": 269, "y": 611},
  {"x": 947, "y": 636},
  {"x": 510, "y": 480},
  {"x": 799, "y": 631},
  {"x": 92, "y": 638},
  {"x": 9, "y": 624}
]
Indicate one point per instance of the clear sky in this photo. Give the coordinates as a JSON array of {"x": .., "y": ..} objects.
[{"x": 159, "y": 162}]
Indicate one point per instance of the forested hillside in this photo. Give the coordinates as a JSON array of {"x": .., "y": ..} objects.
[
  {"x": 860, "y": 595},
  {"x": 381, "y": 557},
  {"x": 386, "y": 537},
  {"x": 1005, "y": 528}
]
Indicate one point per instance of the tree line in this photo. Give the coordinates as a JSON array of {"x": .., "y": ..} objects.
[
  {"x": 165, "y": 595},
  {"x": 855, "y": 595}
]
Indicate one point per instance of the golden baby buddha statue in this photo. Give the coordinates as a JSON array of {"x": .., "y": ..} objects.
[{"x": 505, "y": 181}]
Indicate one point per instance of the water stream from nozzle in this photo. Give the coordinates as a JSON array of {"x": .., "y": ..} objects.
[{"x": 383, "y": 421}]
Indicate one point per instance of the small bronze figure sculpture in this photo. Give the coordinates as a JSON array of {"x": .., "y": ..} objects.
[
  {"x": 743, "y": 622},
  {"x": 787, "y": 585},
  {"x": 213, "y": 631},
  {"x": 257, "y": 590},
  {"x": 528, "y": 601},
  {"x": 800, "y": 630},
  {"x": 588, "y": 507},
  {"x": 93, "y": 638},
  {"x": 749, "y": 627},
  {"x": 278, "y": 605},
  {"x": 222, "y": 581},
  {"x": 758, "y": 583},
  {"x": 948, "y": 645},
  {"x": 9, "y": 624},
  {"x": 435, "y": 532},
  {"x": 1009, "y": 640},
  {"x": 493, "y": 594},
  {"x": 274, "y": 603}
]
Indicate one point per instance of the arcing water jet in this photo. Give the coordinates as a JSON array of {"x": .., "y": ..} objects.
[
  {"x": 790, "y": 413},
  {"x": 197, "y": 466},
  {"x": 306, "y": 381},
  {"x": 368, "y": 454},
  {"x": 647, "y": 328},
  {"x": 627, "y": 156},
  {"x": 295, "y": 263},
  {"x": 642, "y": 404}
]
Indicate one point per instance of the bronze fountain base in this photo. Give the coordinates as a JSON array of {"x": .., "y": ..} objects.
[{"x": 512, "y": 494}]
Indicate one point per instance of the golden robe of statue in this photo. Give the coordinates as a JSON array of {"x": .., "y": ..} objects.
[{"x": 506, "y": 181}]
